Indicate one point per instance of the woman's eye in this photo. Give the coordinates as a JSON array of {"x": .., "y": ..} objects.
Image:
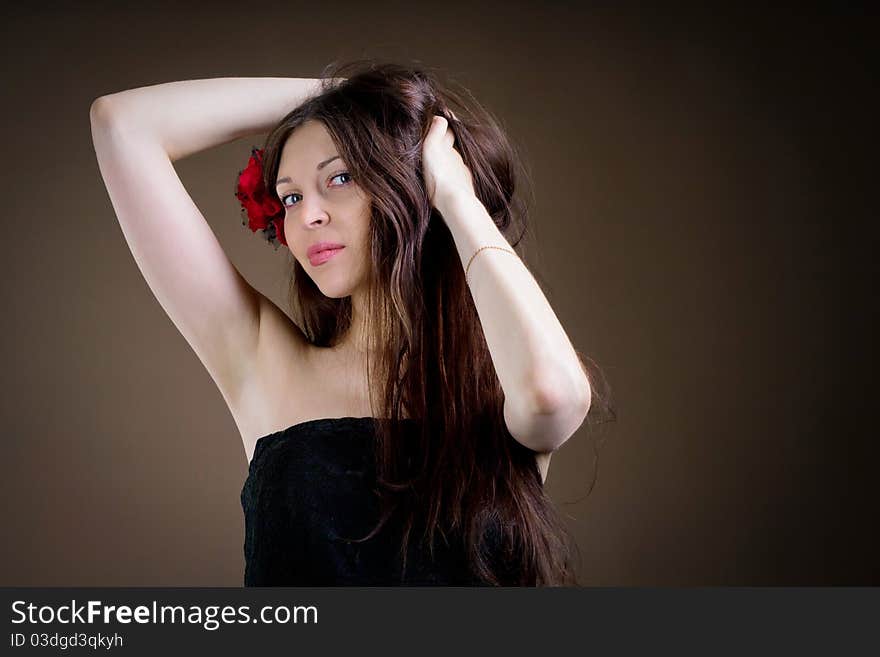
[
  {"x": 338, "y": 175},
  {"x": 344, "y": 173}
]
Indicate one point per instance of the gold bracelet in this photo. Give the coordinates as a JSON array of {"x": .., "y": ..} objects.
[{"x": 475, "y": 255}]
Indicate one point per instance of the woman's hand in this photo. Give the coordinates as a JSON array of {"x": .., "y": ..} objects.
[{"x": 445, "y": 173}]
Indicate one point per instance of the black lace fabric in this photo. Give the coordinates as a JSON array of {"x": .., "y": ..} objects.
[{"x": 309, "y": 488}]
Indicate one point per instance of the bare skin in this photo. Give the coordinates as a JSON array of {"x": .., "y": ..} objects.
[{"x": 295, "y": 382}]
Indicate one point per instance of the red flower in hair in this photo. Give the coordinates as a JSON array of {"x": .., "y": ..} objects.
[{"x": 263, "y": 210}]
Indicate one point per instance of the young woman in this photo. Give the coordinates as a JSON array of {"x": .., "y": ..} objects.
[{"x": 399, "y": 432}]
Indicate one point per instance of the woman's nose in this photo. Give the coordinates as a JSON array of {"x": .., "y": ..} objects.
[
  {"x": 313, "y": 213},
  {"x": 317, "y": 220}
]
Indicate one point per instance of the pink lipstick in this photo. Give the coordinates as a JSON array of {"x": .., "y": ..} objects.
[{"x": 321, "y": 252}]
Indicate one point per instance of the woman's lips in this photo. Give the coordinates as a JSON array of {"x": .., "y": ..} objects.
[{"x": 323, "y": 256}]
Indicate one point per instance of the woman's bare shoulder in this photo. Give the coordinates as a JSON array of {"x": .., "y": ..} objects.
[
  {"x": 279, "y": 363},
  {"x": 278, "y": 330}
]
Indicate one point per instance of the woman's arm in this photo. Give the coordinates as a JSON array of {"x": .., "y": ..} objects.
[
  {"x": 546, "y": 390},
  {"x": 137, "y": 134},
  {"x": 189, "y": 116}
]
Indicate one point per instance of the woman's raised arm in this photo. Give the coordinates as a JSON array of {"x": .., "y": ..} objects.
[{"x": 137, "y": 134}]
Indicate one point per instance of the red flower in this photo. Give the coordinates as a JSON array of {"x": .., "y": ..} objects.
[{"x": 264, "y": 211}]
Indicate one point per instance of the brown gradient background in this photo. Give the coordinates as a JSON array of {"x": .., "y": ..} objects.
[{"x": 694, "y": 211}]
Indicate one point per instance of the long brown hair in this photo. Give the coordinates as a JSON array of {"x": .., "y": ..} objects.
[{"x": 465, "y": 473}]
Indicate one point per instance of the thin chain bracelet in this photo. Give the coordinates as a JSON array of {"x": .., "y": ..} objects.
[{"x": 475, "y": 255}]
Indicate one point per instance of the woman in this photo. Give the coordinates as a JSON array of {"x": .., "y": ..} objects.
[{"x": 400, "y": 431}]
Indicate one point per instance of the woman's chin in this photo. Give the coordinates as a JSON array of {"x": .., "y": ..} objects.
[{"x": 334, "y": 291}]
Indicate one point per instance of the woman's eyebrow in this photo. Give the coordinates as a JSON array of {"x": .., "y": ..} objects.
[{"x": 321, "y": 165}]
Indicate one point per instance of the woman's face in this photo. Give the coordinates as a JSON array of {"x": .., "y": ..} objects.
[{"x": 322, "y": 203}]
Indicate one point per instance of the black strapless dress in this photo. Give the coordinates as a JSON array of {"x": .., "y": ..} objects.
[{"x": 309, "y": 487}]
